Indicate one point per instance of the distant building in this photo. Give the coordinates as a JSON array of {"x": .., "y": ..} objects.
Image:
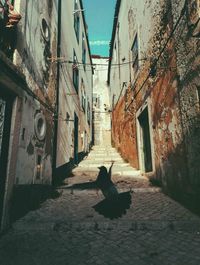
[
  {"x": 74, "y": 128},
  {"x": 154, "y": 91},
  {"x": 101, "y": 104}
]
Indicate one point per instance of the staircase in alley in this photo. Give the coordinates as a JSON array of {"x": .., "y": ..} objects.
[
  {"x": 124, "y": 176},
  {"x": 104, "y": 156}
]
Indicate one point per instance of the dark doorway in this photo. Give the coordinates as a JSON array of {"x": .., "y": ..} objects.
[
  {"x": 75, "y": 139},
  {"x": 145, "y": 142},
  {"x": 5, "y": 123}
]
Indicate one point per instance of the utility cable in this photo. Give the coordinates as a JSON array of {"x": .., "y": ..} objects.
[{"x": 92, "y": 65}]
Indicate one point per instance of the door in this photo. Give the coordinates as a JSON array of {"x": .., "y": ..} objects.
[
  {"x": 145, "y": 141},
  {"x": 5, "y": 123},
  {"x": 75, "y": 139}
]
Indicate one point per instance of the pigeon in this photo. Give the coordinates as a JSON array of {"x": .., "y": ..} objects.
[{"x": 115, "y": 204}]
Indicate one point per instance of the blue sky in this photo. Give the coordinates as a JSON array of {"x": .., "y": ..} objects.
[{"x": 99, "y": 18}]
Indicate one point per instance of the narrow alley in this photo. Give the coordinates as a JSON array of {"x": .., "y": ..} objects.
[
  {"x": 99, "y": 132},
  {"x": 67, "y": 230}
]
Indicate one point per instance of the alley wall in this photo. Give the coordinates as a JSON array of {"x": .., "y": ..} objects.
[
  {"x": 155, "y": 120},
  {"x": 45, "y": 99},
  {"x": 75, "y": 102}
]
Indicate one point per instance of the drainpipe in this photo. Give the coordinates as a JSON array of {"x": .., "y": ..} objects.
[{"x": 57, "y": 93}]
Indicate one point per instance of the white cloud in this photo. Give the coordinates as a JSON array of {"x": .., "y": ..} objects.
[{"x": 99, "y": 42}]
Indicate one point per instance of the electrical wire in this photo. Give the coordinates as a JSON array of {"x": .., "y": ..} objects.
[{"x": 92, "y": 65}]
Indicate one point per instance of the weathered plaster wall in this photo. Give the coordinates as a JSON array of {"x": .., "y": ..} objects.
[
  {"x": 11, "y": 173},
  {"x": 188, "y": 59},
  {"x": 170, "y": 92},
  {"x": 37, "y": 43},
  {"x": 29, "y": 76},
  {"x": 124, "y": 132},
  {"x": 134, "y": 17},
  {"x": 69, "y": 100}
]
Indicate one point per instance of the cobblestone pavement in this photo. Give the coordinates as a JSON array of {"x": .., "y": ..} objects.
[{"x": 67, "y": 230}]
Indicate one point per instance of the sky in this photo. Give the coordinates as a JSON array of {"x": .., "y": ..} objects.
[{"x": 99, "y": 16}]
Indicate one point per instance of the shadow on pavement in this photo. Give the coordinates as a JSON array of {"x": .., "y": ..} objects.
[
  {"x": 29, "y": 197},
  {"x": 115, "y": 204}
]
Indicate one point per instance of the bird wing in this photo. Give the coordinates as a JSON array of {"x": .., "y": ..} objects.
[
  {"x": 110, "y": 172},
  {"x": 114, "y": 208}
]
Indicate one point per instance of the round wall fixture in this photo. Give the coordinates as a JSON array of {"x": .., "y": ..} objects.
[{"x": 40, "y": 126}]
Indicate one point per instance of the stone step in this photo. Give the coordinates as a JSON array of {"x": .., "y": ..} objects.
[
  {"x": 104, "y": 150},
  {"x": 107, "y": 156},
  {"x": 104, "y": 160},
  {"x": 105, "y": 163},
  {"x": 93, "y": 169},
  {"x": 103, "y": 156},
  {"x": 102, "y": 147},
  {"x": 104, "y": 153}
]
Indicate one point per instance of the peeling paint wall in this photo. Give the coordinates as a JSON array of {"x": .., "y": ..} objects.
[
  {"x": 188, "y": 58},
  {"x": 70, "y": 100},
  {"x": 167, "y": 84},
  {"x": 37, "y": 44},
  {"x": 30, "y": 79}
]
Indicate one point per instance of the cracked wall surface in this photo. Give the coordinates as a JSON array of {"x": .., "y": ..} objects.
[{"x": 166, "y": 83}]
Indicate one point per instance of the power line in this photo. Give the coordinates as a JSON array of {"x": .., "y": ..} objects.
[{"x": 55, "y": 60}]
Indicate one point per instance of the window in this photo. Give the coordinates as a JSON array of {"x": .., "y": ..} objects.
[
  {"x": 83, "y": 96},
  {"x": 76, "y": 20},
  {"x": 198, "y": 95},
  {"x": 134, "y": 50},
  {"x": 67, "y": 118},
  {"x": 88, "y": 112},
  {"x": 45, "y": 30},
  {"x": 115, "y": 53},
  {"x": 75, "y": 73},
  {"x": 83, "y": 51},
  {"x": 96, "y": 101}
]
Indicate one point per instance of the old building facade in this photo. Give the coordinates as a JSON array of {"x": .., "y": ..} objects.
[
  {"x": 28, "y": 88},
  {"x": 37, "y": 95},
  {"x": 74, "y": 128},
  {"x": 153, "y": 82}
]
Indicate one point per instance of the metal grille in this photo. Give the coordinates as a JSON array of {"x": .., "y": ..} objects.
[{"x": 2, "y": 116}]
